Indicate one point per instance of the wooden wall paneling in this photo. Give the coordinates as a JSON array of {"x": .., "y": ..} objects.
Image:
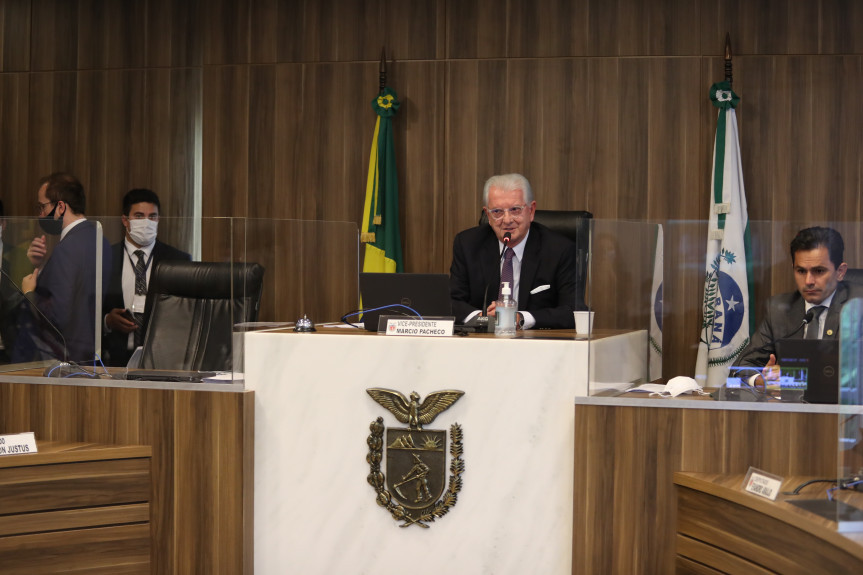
[
  {"x": 51, "y": 144},
  {"x": 547, "y": 29},
  {"x": 463, "y": 180},
  {"x": 90, "y": 139},
  {"x": 839, "y": 32},
  {"x": 476, "y": 29},
  {"x": 15, "y": 34},
  {"x": 676, "y": 98},
  {"x": 634, "y": 143},
  {"x": 665, "y": 28},
  {"x": 755, "y": 27},
  {"x": 602, "y": 18},
  {"x": 54, "y": 45},
  {"x": 225, "y": 31},
  {"x": 174, "y": 36},
  {"x": 596, "y": 129},
  {"x": 335, "y": 138},
  {"x": 329, "y": 30},
  {"x": 111, "y": 34},
  {"x": 16, "y": 190},
  {"x": 225, "y": 141},
  {"x": 184, "y": 138},
  {"x": 413, "y": 30},
  {"x": 420, "y": 144},
  {"x": 264, "y": 101}
]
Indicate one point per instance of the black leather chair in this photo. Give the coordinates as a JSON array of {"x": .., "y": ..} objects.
[
  {"x": 575, "y": 225},
  {"x": 854, "y": 275},
  {"x": 192, "y": 309}
]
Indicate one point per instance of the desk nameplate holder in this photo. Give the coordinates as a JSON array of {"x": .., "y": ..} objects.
[
  {"x": 18, "y": 443},
  {"x": 762, "y": 484},
  {"x": 399, "y": 325}
]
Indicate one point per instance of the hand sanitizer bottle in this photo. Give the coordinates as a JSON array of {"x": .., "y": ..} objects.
[{"x": 504, "y": 313}]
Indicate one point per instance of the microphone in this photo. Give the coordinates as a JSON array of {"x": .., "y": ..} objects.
[
  {"x": 807, "y": 319},
  {"x": 33, "y": 306},
  {"x": 507, "y": 237}
]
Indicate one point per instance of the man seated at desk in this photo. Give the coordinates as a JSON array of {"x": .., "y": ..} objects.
[
  {"x": 538, "y": 263},
  {"x": 817, "y": 254}
]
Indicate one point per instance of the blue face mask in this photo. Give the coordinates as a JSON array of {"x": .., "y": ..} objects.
[{"x": 49, "y": 225}]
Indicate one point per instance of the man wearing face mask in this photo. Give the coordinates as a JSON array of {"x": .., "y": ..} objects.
[
  {"x": 133, "y": 260},
  {"x": 62, "y": 288}
]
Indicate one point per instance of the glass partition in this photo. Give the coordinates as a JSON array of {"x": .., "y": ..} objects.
[
  {"x": 51, "y": 295},
  {"x": 850, "y": 435},
  {"x": 84, "y": 318},
  {"x": 624, "y": 294}
]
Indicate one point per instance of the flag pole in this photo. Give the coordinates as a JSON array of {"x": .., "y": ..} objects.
[
  {"x": 382, "y": 71},
  {"x": 728, "y": 73}
]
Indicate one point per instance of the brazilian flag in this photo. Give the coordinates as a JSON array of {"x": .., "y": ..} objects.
[{"x": 380, "y": 230}]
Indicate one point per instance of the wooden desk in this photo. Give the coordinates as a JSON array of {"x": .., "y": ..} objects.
[
  {"x": 722, "y": 529},
  {"x": 75, "y": 507},
  {"x": 628, "y": 449},
  {"x": 202, "y": 456}
]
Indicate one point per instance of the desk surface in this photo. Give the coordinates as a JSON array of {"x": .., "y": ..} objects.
[
  {"x": 556, "y": 334},
  {"x": 719, "y": 524}
]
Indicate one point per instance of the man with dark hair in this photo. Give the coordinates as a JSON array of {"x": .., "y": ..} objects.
[
  {"x": 63, "y": 285},
  {"x": 133, "y": 260},
  {"x": 817, "y": 255},
  {"x": 539, "y": 263}
]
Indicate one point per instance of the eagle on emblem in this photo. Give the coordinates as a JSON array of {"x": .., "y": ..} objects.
[{"x": 411, "y": 411}]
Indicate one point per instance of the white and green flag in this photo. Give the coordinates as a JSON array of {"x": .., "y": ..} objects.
[
  {"x": 727, "y": 315},
  {"x": 655, "y": 357}
]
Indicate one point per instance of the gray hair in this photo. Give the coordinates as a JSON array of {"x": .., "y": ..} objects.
[{"x": 508, "y": 183}]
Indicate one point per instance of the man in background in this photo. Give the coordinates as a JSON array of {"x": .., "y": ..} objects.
[
  {"x": 133, "y": 261},
  {"x": 817, "y": 255},
  {"x": 63, "y": 287},
  {"x": 541, "y": 263}
]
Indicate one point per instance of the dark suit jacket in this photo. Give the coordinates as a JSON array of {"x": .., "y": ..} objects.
[
  {"x": 784, "y": 314},
  {"x": 114, "y": 345},
  {"x": 549, "y": 259},
  {"x": 10, "y": 304},
  {"x": 66, "y": 294}
]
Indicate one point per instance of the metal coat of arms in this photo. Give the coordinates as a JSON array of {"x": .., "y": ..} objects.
[{"x": 415, "y": 489}]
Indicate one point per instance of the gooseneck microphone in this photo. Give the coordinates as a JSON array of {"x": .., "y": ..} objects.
[{"x": 772, "y": 343}]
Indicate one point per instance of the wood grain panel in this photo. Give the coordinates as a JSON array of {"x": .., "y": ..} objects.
[
  {"x": 194, "y": 437},
  {"x": 14, "y": 36},
  {"x": 55, "y": 44},
  {"x": 624, "y": 498},
  {"x": 225, "y": 31},
  {"x": 52, "y": 125},
  {"x": 14, "y": 130},
  {"x": 116, "y": 549},
  {"x": 75, "y": 518},
  {"x": 476, "y": 29},
  {"x": 111, "y": 34},
  {"x": 174, "y": 35}
]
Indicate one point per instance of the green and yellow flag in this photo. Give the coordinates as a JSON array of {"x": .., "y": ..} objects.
[{"x": 380, "y": 230}]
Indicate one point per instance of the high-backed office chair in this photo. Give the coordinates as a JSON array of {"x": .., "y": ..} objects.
[
  {"x": 575, "y": 225},
  {"x": 192, "y": 309},
  {"x": 854, "y": 275}
]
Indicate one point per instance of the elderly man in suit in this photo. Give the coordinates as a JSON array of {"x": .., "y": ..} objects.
[
  {"x": 62, "y": 288},
  {"x": 540, "y": 263},
  {"x": 133, "y": 260},
  {"x": 817, "y": 254}
]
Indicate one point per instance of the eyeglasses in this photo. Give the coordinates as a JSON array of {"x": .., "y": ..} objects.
[
  {"x": 515, "y": 212},
  {"x": 40, "y": 207}
]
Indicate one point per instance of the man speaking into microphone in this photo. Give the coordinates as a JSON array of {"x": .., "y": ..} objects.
[
  {"x": 811, "y": 312},
  {"x": 540, "y": 262}
]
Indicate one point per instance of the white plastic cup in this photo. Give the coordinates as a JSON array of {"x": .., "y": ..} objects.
[{"x": 583, "y": 322}]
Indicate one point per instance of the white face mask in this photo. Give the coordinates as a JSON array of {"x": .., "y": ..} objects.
[{"x": 143, "y": 231}]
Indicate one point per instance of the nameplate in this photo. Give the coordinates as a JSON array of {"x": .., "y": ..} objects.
[
  {"x": 420, "y": 327},
  {"x": 762, "y": 484},
  {"x": 18, "y": 443}
]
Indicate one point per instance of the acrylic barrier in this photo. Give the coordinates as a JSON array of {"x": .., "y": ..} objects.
[
  {"x": 850, "y": 428},
  {"x": 207, "y": 281}
]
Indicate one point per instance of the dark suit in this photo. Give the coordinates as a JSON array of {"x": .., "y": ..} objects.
[
  {"x": 10, "y": 302},
  {"x": 115, "y": 344},
  {"x": 66, "y": 294},
  {"x": 549, "y": 259},
  {"x": 784, "y": 315}
]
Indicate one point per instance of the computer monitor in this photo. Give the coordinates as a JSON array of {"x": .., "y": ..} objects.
[
  {"x": 403, "y": 294},
  {"x": 809, "y": 365}
]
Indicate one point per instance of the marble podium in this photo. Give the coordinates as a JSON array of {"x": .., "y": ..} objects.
[{"x": 314, "y": 510}]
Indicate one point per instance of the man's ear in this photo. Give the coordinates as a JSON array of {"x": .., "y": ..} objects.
[{"x": 841, "y": 270}]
